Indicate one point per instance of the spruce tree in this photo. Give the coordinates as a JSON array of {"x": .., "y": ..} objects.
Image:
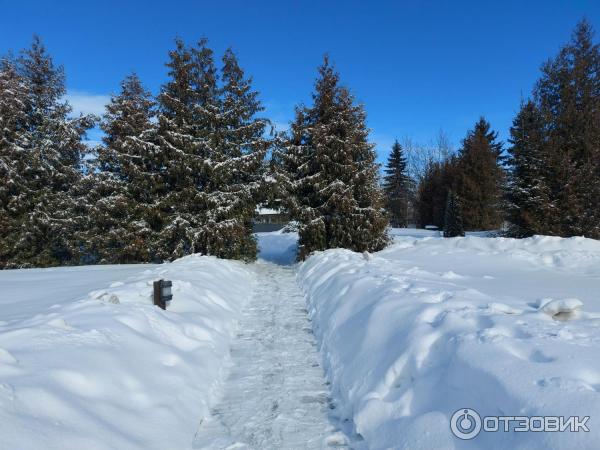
[
  {"x": 332, "y": 172},
  {"x": 123, "y": 188},
  {"x": 53, "y": 149},
  {"x": 480, "y": 178},
  {"x": 13, "y": 161},
  {"x": 528, "y": 203},
  {"x": 237, "y": 151},
  {"x": 396, "y": 187},
  {"x": 453, "y": 222},
  {"x": 568, "y": 98},
  {"x": 188, "y": 111}
]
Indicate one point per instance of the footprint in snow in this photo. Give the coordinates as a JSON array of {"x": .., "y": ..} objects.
[{"x": 539, "y": 357}]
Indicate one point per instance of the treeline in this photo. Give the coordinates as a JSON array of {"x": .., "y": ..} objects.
[
  {"x": 183, "y": 171},
  {"x": 547, "y": 181},
  {"x": 178, "y": 173},
  {"x": 474, "y": 177}
]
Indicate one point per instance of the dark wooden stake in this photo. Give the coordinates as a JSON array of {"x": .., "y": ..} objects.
[{"x": 158, "y": 300}]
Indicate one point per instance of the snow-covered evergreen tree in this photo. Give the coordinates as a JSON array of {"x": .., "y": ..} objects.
[
  {"x": 332, "y": 174},
  {"x": 53, "y": 148},
  {"x": 123, "y": 188},
  {"x": 568, "y": 98},
  {"x": 396, "y": 186},
  {"x": 13, "y": 161},
  {"x": 235, "y": 167},
  {"x": 528, "y": 201},
  {"x": 188, "y": 110}
]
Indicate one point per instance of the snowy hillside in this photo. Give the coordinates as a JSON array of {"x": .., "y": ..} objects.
[
  {"x": 87, "y": 362},
  {"x": 413, "y": 333}
]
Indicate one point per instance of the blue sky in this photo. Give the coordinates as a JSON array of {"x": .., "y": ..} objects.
[{"x": 418, "y": 66}]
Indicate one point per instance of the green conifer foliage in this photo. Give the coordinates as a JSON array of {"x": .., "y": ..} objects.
[
  {"x": 528, "y": 204},
  {"x": 122, "y": 189},
  {"x": 332, "y": 174},
  {"x": 51, "y": 160},
  {"x": 479, "y": 178},
  {"x": 453, "y": 222},
  {"x": 568, "y": 98},
  {"x": 235, "y": 167},
  {"x": 13, "y": 157},
  {"x": 396, "y": 186}
]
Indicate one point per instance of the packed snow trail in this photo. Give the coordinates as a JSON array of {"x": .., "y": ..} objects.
[{"x": 275, "y": 396}]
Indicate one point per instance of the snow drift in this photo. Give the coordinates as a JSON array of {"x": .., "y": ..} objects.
[
  {"x": 104, "y": 368},
  {"x": 413, "y": 333}
]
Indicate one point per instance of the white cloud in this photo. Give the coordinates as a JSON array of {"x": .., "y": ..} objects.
[{"x": 86, "y": 103}]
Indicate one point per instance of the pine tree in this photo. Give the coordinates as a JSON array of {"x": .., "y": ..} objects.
[
  {"x": 53, "y": 151},
  {"x": 568, "y": 98},
  {"x": 528, "y": 197},
  {"x": 396, "y": 187},
  {"x": 453, "y": 222},
  {"x": 332, "y": 172},
  {"x": 122, "y": 189},
  {"x": 480, "y": 177},
  {"x": 236, "y": 168}
]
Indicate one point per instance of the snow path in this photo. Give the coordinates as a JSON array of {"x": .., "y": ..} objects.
[{"x": 276, "y": 396}]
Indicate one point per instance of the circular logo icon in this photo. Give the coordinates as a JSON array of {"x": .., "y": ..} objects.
[{"x": 465, "y": 423}]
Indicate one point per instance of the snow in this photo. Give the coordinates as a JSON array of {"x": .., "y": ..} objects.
[
  {"x": 86, "y": 360},
  {"x": 266, "y": 211},
  {"x": 565, "y": 307},
  {"x": 405, "y": 337},
  {"x": 429, "y": 325},
  {"x": 275, "y": 396}
]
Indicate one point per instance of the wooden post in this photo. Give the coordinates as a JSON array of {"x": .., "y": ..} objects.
[{"x": 158, "y": 300}]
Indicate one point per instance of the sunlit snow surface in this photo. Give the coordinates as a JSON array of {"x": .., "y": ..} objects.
[
  {"x": 275, "y": 396},
  {"x": 402, "y": 338},
  {"x": 87, "y": 362},
  {"x": 430, "y": 325}
]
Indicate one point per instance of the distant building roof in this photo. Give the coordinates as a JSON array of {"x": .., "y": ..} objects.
[{"x": 264, "y": 211}]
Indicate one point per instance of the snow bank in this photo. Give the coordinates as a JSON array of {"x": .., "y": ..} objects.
[
  {"x": 87, "y": 362},
  {"x": 430, "y": 325}
]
